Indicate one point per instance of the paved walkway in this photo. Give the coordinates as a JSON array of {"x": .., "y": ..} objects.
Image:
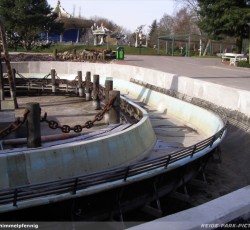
[{"x": 207, "y": 69}]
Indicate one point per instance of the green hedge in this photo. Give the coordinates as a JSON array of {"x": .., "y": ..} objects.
[{"x": 243, "y": 64}]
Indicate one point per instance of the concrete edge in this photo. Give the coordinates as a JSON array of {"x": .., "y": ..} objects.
[{"x": 213, "y": 214}]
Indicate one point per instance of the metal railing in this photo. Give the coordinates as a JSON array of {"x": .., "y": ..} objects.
[{"x": 72, "y": 185}]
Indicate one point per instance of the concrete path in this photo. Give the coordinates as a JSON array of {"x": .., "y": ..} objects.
[{"x": 207, "y": 69}]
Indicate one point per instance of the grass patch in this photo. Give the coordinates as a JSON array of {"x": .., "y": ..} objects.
[
  {"x": 197, "y": 56},
  {"x": 69, "y": 47},
  {"x": 243, "y": 64}
]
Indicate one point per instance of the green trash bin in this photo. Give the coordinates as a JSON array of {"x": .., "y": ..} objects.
[{"x": 120, "y": 53}]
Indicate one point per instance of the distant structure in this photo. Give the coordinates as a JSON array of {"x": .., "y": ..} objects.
[
  {"x": 100, "y": 34},
  {"x": 74, "y": 27},
  {"x": 140, "y": 36}
]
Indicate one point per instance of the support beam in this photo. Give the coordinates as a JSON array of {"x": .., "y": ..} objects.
[{"x": 7, "y": 62}]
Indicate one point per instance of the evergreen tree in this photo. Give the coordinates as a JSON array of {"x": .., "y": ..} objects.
[
  {"x": 26, "y": 19},
  {"x": 225, "y": 18},
  {"x": 153, "y": 33}
]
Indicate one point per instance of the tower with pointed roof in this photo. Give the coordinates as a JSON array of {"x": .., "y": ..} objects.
[
  {"x": 74, "y": 26},
  {"x": 61, "y": 12}
]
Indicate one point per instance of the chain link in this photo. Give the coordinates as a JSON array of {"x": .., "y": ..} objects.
[
  {"x": 54, "y": 124},
  {"x": 15, "y": 125},
  {"x": 78, "y": 128}
]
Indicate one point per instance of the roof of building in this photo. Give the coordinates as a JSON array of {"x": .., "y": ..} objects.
[
  {"x": 69, "y": 21},
  {"x": 61, "y": 12}
]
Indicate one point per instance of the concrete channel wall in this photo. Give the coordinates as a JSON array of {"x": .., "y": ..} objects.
[
  {"x": 204, "y": 121},
  {"x": 77, "y": 158},
  {"x": 227, "y": 97},
  {"x": 122, "y": 75},
  {"x": 69, "y": 160}
]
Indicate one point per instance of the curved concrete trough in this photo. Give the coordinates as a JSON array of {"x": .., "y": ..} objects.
[
  {"x": 77, "y": 158},
  {"x": 70, "y": 160}
]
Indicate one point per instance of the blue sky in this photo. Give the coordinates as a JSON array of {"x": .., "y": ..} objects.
[{"x": 128, "y": 13}]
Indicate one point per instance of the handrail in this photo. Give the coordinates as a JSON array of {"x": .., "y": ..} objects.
[{"x": 72, "y": 185}]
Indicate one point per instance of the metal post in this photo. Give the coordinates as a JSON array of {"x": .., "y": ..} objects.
[
  {"x": 87, "y": 86},
  {"x": 1, "y": 82},
  {"x": 108, "y": 88},
  {"x": 79, "y": 74},
  {"x": 189, "y": 45},
  {"x": 173, "y": 45},
  {"x": 114, "y": 112},
  {"x": 158, "y": 46},
  {"x": 166, "y": 47},
  {"x": 249, "y": 42},
  {"x": 33, "y": 126},
  {"x": 53, "y": 80}
]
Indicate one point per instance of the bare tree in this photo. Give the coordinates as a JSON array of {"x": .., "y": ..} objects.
[
  {"x": 191, "y": 4},
  {"x": 166, "y": 24},
  {"x": 185, "y": 22}
]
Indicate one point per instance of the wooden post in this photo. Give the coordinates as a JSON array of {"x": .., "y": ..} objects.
[
  {"x": 88, "y": 86},
  {"x": 55, "y": 54},
  {"x": 7, "y": 62},
  {"x": 108, "y": 88},
  {"x": 33, "y": 126},
  {"x": 14, "y": 78},
  {"x": 114, "y": 112},
  {"x": 74, "y": 54},
  {"x": 53, "y": 80},
  {"x": 79, "y": 74},
  {"x": 96, "y": 87}
]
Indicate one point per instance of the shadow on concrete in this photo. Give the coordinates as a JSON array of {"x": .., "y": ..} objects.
[{"x": 174, "y": 83}]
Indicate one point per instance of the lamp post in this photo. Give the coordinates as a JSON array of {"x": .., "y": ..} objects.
[
  {"x": 249, "y": 43},
  {"x": 248, "y": 5},
  {"x": 140, "y": 39}
]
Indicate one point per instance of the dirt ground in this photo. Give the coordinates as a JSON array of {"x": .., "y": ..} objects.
[
  {"x": 17, "y": 57},
  {"x": 228, "y": 172},
  {"x": 30, "y": 57}
]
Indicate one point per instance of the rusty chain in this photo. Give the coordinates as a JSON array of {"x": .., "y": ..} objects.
[
  {"x": 66, "y": 128},
  {"x": 78, "y": 128},
  {"x": 15, "y": 125},
  {"x": 40, "y": 81}
]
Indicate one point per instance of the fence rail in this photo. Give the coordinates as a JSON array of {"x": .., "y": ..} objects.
[{"x": 75, "y": 184}]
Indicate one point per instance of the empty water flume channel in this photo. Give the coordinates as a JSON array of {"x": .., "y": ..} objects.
[{"x": 174, "y": 131}]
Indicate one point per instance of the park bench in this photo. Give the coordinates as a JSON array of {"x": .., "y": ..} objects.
[{"x": 233, "y": 58}]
